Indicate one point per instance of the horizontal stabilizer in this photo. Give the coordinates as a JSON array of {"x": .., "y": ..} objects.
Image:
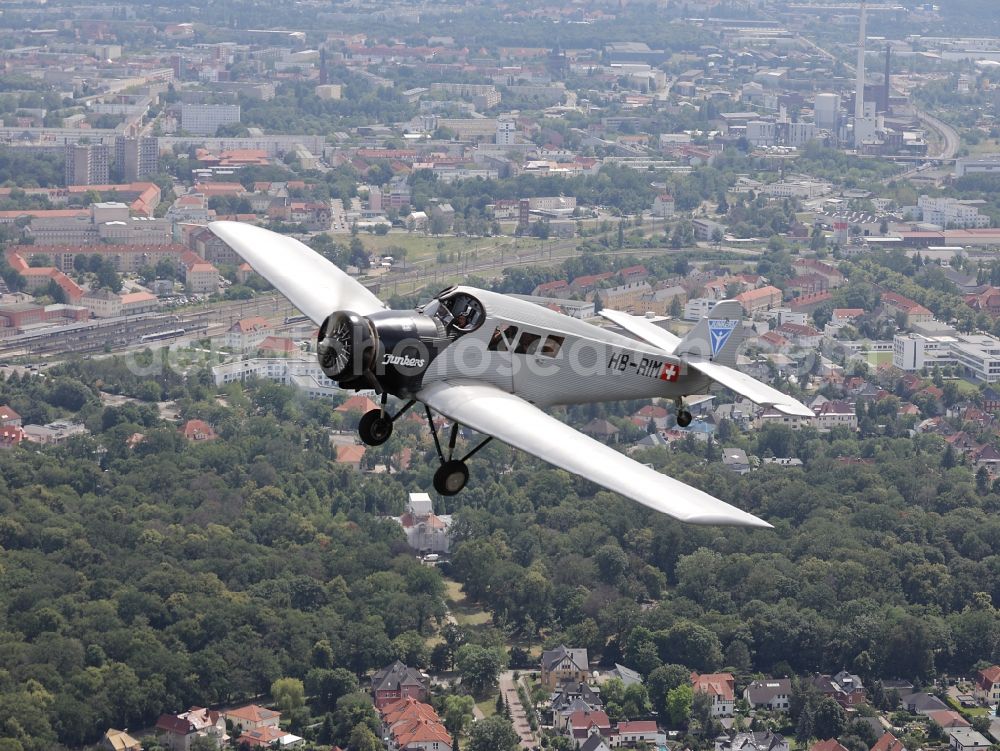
[
  {"x": 751, "y": 388},
  {"x": 645, "y": 329}
]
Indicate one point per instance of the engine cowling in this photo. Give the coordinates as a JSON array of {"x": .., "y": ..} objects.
[
  {"x": 347, "y": 347},
  {"x": 386, "y": 351}
]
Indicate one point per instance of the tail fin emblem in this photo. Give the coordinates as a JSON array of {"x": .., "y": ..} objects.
[{"x": 719, "y": 333}]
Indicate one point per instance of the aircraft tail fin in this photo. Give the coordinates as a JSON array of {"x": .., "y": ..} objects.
[{"x": 717, "y": 337}]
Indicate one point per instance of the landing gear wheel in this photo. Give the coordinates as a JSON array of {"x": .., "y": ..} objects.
[
  {"x": 374, "y": 427},
  {"x": 684, "y": 418},
  {"x": 451, "y": 477}
]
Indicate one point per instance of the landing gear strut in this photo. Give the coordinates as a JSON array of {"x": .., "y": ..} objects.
[
  {"x": 683, "y": 414},
  {"x": 375, "y": 426},
  {"x": 453, "y": 474}
]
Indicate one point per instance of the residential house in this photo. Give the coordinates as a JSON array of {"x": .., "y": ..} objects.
[
  {"x": 413, "y": 725},
  {"x": 836, "y": 413},
  {"x": 601, "y": 429},
  {"x": 631, "y": 733},
  {"x": 948, "y": 718},
  {"x": 759, "y": 300},
  {"x": 270, "y": 737},
  {"x": 559, "y": 289},
  {"x": 735, "y": 460},
  {"x": 967, "y": 739},
  {"x": 119, "y": 740},
  {"x": 894, "y": 304},
  {"x": 252, "y": 717},
  {"x": 351, "y": 454},
  {"x": 199, "y": 430},
  {"x": 571, "y": 697},
  {"x": 843, "y": 316},
  {"x": 922, "y": 703},
  {"x": 664, "y": 206},
  {"x": 771, "y": 694},
  {"x": 595, "y": 742},
  {"x": 11, "y": 432},
  {"x": 830, "y": 744},
  {"x": 564, "y": 664},
  {"x": 397, "y": 681},
  {"x": 888, "y": 742},
  {"x": 358, "y": 404},
  {"x": 426, "y": 532},
  {"x": 659, "y": 416},
  {"x": 761, "y": 741},
  {"x": 247, "y": 334},
  {"x": 833, "y": 277},
  {"x": 991, "y": 400},
  {"x": 627, "y": 676},
  {"x": 584, "y": 724},
  {"x": 987, "y": 690},
  {"x": 9, "y": 418},
  {"x": 800, "y": 335},
  {"x": 178, "y": 732},
  {"x": 845, "y": 687},
  {"x": 771, "y": 416},
  {"x": 721, "y": 687}
]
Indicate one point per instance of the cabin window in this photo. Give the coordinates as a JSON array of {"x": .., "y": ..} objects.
[
  {"x": 502, "y": 339},
  {"x": 552, "y": 346},
  {"x": 527, "y": 344}
]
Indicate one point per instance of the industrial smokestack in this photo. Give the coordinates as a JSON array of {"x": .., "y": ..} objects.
[
  {"x": 888, "y": 87},
  {"x": 859, "y": 96}
]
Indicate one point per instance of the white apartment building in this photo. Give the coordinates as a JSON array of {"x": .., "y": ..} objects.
[
  {"x": 302, "y": 373},
  {"x": 506, "y": 132},
  {"x": 697, "y": 308},
  {"x": 912, "y": 352},
  {"x": 950, "y": 212},
  {"x": 979, "y": 355},
  {"x": 205, "y": 119},
  {"x": 797, "y": 189}
]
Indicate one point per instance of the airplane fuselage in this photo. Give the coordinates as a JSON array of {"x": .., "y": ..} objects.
[{"x": 543, "y": 356}]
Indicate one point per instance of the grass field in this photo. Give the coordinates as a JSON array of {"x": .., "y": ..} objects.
[
  {"x": 420, "y": 247},
  {"x": 874, "y": 359},
  {"x": 466, "y": 613}
]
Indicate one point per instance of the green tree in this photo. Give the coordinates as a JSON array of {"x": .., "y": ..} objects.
[
  {"x": 288, "y": 693},
  {"x": 493, "y": 734},
  {"x": 678, "y": 703},
  {"x": 479, "y": 667},
  {"x": 363, "y": 739}
]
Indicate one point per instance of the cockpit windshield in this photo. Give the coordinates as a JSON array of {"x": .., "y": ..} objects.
[{"x": 460, "y": 312}]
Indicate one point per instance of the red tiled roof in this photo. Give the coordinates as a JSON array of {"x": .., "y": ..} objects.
[
  {"x": 253, "y": 713},
  {"x": 357, "y": 403},
  {"x": 7, "y": 413},
  {"x": 350, "y": 454},
  {"x": 715, "y": 684},
  {"x": 888, "y": 742}
]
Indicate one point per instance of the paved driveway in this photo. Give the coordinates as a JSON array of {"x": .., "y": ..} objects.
[{"x": 517, "y": 712}]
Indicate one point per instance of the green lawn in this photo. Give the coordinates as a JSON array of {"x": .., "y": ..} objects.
[
  {"x": 466, "y": 613},
  {"x": 878, "y": 358},
  {"x": 420, "y": 247}
]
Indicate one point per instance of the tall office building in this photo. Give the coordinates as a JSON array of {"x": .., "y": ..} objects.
[
  {"x": 506, "y": 132},
  {"x": 87, "y": 164},
  {"x": 827, "y": 111},
  {"x": 136, "y": 157}
]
